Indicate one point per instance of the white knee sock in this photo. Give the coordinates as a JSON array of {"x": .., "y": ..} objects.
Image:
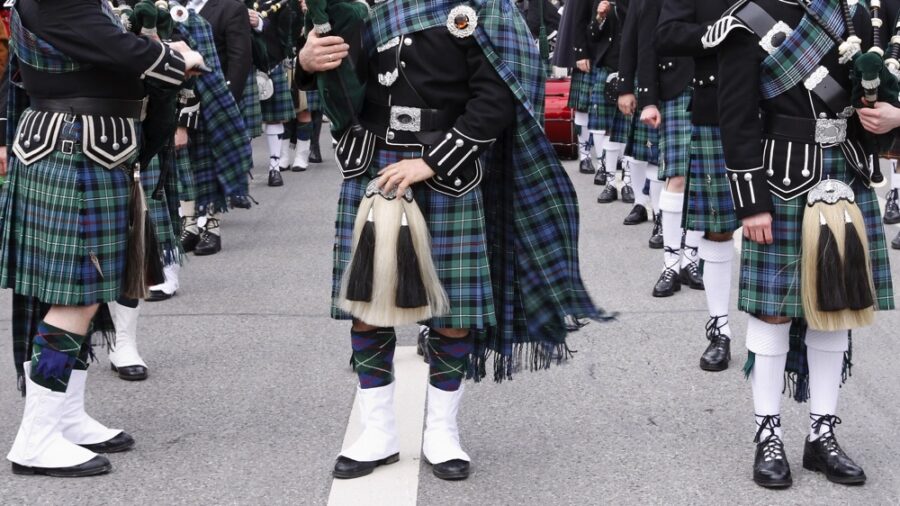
[
  {"x": 825, "y": 355},
  {"x": 656, "y": 186},
  {"x": 638, "y": 178},
  {"x": 273, "y": 131},
  {"x": 214, "y": 227},
  {"x": 612, "y": 158},
  {"x": 717, "y": 262},
  {"x": 895, "y": 180},
  {"x": 189, "y": 213},
  {"x": 600, "y": 141},
  {"x": 584, "y": 136},
  {"x": 770, "y": 343},
  {"x": 691, "y": 247},
  {"x": 671, "y": 204}
]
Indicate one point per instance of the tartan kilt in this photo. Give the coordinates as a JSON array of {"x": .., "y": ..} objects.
[
  {"x": 621, "y": 129},
  {"x": 65, "y": 226},
  {"x": 458, "y": 246},
  {"x": 770, "y": 273},
  {"x": 709, "y": 204},
  {"x": 602, "y": 113},
  {"x": 644, "y": 143},
  {"x": 313, "y": 101},
  {"x": 187, "y": 186},
  {"x": 250, "y": 107},
  {"x": 161, "y": 215},
  {"x": 279, "y": 108},
  {"x": 580, "y": 91},
  {"x": 197, "y": 172},
  {"x": 675, "y": 136}
]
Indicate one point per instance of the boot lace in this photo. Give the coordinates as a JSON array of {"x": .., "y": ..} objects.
[
  {"x": 828, "y": 422},
  {"x": 892, "y": 198},
  {"x": 714, "y": 329},
  {"x": 185, "y": 233},
  {"x": 211, "y": 223},
  {"x": 773, "y": 447}
]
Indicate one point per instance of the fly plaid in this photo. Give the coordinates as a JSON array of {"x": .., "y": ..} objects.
[
  {"x": 796, "y": 58},
  {"x": 226, "y": 173},
  {"x": 531, "y": 207},
  {"x": 37, "y": 53}
]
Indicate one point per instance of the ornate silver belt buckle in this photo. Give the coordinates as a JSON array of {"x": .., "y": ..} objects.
[
  {"x": 406, "y": 119},
  {"x": 831, "y": 131}
]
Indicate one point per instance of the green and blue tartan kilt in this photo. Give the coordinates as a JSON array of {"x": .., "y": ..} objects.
[
  {"x": 770, "y": 273},
  {"x": 250, "y": 107},
  {"x": 675, "y": 136},
  {"x": 187, "y": 186},
  {"x": 279, "y": 108},
  {"x": 602, "y": 114},
  {"x": 709, "y": 204},
  {"x": 620, "y": 131},
  {"x": 161, "y": 215},
  {"x": 65, "y": 226},
  {"x": 644, "y": 143},
  {"x": 580, "y": 91},
  {"x": 198, "y": 180},
  {"x": 458, "y": 245},
  {"x": 313, "y": 100}
]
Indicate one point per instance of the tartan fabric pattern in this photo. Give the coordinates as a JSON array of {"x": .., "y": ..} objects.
[
  {"x": 602, "y": 114},
  {"x": 251, "y": 107},
  {"x": 620, "y": 131},
  {"x": 458, "y": 245},
  {"x": 770, "y": 274},
  {"x": 280, "y": 106},
  {"x": 187, "y": 185},
  {"x": 644, "y": 142},
  {"x": 161, "y": 215},
  {"x": 532, "y": 210},
  {"x": 709, "y": 204},
  {"x": 228, "y": 158},
  {"x": 796, "y": 58},
  {"x": 373, "y": 356},
  {"x": 65, "y": 227},
  {"x": 580, "y": 91},
  {"x": 37, "y": 53},
  {"x": 313, "y": 100},
  {"x": 675, "y": 136},
  {"x": 54, "y": 354}
]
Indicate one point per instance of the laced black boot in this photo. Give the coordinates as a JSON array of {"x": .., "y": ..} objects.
[
  {"x": 656, "y": 236},
  {"x": 669, "y": 281},
  {"x": 600, "y": 176},
  {"x": 610, "y": 193},
  {"x": 896, "y": 242},
  {"x": 690, "y": 273},
  {"x": 718, "y": 353},
  {"x": 770, "y": 466},
  {"x": 210, "y": 243},
  {"x": 824, "y": 455},
  {"x": 892, "y": 208},
  {"x": 586, "y": 167},
  {"x": 189, "y": 239}
]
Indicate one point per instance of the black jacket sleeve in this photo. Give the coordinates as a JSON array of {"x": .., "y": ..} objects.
[
  {"x": 648, "y": 60},
  {"x": 678, "y": 32},
  {"x": 4, "y": 100},
  {"x": 239, "y": 52},
  {"x": 629, "y": 50}
]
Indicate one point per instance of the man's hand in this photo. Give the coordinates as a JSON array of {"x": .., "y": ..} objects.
[
  {"x": 320, "y": 54},
  {"x": 602, "y": 10},
  {"x": 181, "y": 138},
  {"x": 254, "y": 18},
  {"x": 627, "y": 104},
  {"x": 584, "y": 65},
  {"x": 404, "y": 174},
  {"x": 758, "y": 228},
  {"x": 3, "y": 167},
  {"x": 650, "y": 116},
  {"x": 192, "y": 59},
  {"x": 880, "y": 119}
]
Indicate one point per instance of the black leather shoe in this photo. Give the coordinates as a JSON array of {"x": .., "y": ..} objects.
[
  {"x": 586, "y": 167},
  {"x": 637, "y": 215},
  {"x": 656, "y": 237},
  {"x": 455, "y": 469},
  {"x": 667, "y": 284},
  {"x": 628, "y": 194},
  {"x": 770, "y": 467},
  {"x": 718, "y": 353},
  {"x": 275, "y": 178},
  {"x": 130, "y": 372},
  {"x": 690, "y": 276},
  {"x": 189, "y": 240},
  {"x": 824, "y": 455},
  {"x": 120, "y": 443},
  {"x": 93, "y": 467},
  {"x": 609, "y": 194},
  {"x": 209, "y": 244},
  {"x": 600, "y": 177},
  {"x": 159, "y": 295},
  {"x": 315, "y": 154},
  {"x": 892, "y": 208},
  {"x": 896, "y": 242},
  {"x": 346, "y": 469}
]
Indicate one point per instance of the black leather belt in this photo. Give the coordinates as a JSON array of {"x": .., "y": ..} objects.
[
  {"x": 116, "y": 108},
  {"x": 408, "y": 119},
  {"x": 805, "y": 130}
]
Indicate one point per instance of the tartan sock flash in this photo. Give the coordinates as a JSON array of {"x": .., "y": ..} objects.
[
  {"x": 373, "y": 356},
  {"x": 54, "y": 354},
  {"x": 449, "y": 360}
]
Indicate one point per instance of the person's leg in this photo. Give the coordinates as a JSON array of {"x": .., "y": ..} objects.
[
  {"x": 304, "y": 133},
  {"x": 211, "y": 237},
  {"x": 891, "y": 169},
  {"x": 190, "y": 231},
  {"x": 315, "y": 151},
  {"x": 273, "y": 133},
  {"x": 123, "y": 356},
  {"x": 288, "y": 145},
  {"x": 717, "y": 252},
  {"x": 671, "y": 204},
  {"x": 638, "y": 213},
  {"x": 657, "y": 241},
  {"x": 610, "y": 193}
]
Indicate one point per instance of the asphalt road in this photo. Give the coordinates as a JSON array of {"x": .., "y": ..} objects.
[{"x": 250, "y": 390}]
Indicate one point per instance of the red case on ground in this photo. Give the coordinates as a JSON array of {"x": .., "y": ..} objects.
[{"x": 559, "y": 121}]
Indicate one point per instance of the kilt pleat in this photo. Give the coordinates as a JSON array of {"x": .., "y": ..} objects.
[
  {"x": 770, "y": 273},
  {"x": 709, "y": 204},
  {"x": 161, "y": 215},
  {"x": 279, "y": 108},
  {"x": 580, "y": 91},
  {"x": 644, "y": 143},
  {"x": 250, "y": 108},
  {"x": 458, "y": 246},
  {"x": 602, "y": 114},
  {"x": 675, "y": 136},
  {"x": 64, "y": 227}
]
